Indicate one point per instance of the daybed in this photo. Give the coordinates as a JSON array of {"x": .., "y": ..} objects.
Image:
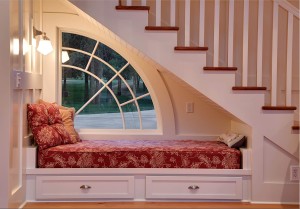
[{"x": 135, "y": 170}]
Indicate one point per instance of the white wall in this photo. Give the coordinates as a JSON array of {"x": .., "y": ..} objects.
[
  {"x": 207, "y": 118},
  {"x": 16, "y": 61},
  {"x": 5, "y": 101}
]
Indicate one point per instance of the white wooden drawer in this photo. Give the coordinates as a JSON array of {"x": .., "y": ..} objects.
[
  {"x": 76, "y": 187},
  {"x": 184, "y": 187}
]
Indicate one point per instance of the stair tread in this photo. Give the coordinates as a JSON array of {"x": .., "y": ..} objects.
[
  {"x": 296, "y": 127},
  {"x": 132, "y": 8},
  {"x": 249, "y": 88},
  {"x": 191, "y": 48},
  {"x": 279, "y": 107},
  {"x": 162, "y": 28},
  {"x": 220, "y": 68}
]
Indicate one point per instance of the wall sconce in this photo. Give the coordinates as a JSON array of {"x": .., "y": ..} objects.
[
  {"x": 64, "y": 56},
  {"x": 45, "y": 46}
]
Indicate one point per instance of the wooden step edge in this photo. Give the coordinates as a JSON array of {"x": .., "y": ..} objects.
[
  {"x": 295, "y": 128},
  {"x": 172, "y": 28},
  {"x": 249, "y": 88},
  {"x": 191, "y": 48},
  {"x": 132, "y": 8},
  {"x": 279, "y": 107},
  {"x": 220, "y": 68}
]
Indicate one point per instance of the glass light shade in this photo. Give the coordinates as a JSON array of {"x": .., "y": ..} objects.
[
  {"x": 45, "y": 47},
  {"x": 64, "y": 56}
]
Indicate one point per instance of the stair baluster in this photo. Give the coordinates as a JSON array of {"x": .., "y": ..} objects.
[{"x": 186, "y": 42}]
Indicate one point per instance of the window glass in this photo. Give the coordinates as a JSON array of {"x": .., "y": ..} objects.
[
  {"x": 75, "y": 88},
  {"x": 134, "y": 80},
  {"x": 101, "y": 113},
  {"x": 131, "y": 116},
  {"x": 78, "y": 42},
  {"x": 77, "y": 59},
  {"x": 110, "y": 56},
  {"x": 121, "y": 90},
  {"x": 107, "y": 95},
  {"x": 101, "y": 70},
  {"x": 148, "y": 113}
]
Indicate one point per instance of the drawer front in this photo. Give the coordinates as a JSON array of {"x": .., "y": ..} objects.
[
  {"x": 183, "y": 187},
  {"x": 76, "y": 187}
]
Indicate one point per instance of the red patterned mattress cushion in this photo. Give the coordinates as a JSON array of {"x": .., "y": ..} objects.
[{"x": 141, "y": 154}]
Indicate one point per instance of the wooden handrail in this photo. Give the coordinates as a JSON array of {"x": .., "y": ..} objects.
[{"x": 288, "y": 6}]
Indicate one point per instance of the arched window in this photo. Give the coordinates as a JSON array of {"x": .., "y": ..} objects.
[{"x": 104, "y": 88}]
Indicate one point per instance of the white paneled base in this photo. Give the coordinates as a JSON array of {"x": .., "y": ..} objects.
[
  {"x": 178, "y": 187},
  {"x": 138, "y": 185},
  {"x": 85, "y": 187}
]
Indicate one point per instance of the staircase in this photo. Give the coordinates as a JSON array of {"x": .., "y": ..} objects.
[
  {"x": 188, "y": 43},
  {"x": 234, "y": 71},
  {"x": 201, "y": 61}
]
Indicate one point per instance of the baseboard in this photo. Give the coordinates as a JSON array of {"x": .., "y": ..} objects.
[
  {"x": 275, "y": 203},
  {"x": 22, "y": 205}
]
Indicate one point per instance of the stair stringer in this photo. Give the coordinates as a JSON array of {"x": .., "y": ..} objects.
[{"x": 159, "y": 46}]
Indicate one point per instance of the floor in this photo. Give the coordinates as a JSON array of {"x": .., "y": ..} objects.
[{"x": 154, "y": 205}]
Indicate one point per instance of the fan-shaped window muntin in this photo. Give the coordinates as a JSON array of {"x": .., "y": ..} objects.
[{"x": 107, "y": 84}]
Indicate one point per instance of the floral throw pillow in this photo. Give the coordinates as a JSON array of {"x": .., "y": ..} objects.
[
  {"x": 67, "y": 114},
  {"x": 62, "y": 131},
  {"x": 37, "y": 115},
  {"x": 53, "y": 113},
  {"x": 46, "y": 136},
  {"x": 46, "y": 125}
]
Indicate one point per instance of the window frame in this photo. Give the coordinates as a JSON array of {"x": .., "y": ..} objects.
[{"x": 135, "y": 99}]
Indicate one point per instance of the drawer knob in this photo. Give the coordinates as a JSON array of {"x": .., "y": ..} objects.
[
  {"x": 193, "y": 187},
  {"x": 85, "y": 187}
]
